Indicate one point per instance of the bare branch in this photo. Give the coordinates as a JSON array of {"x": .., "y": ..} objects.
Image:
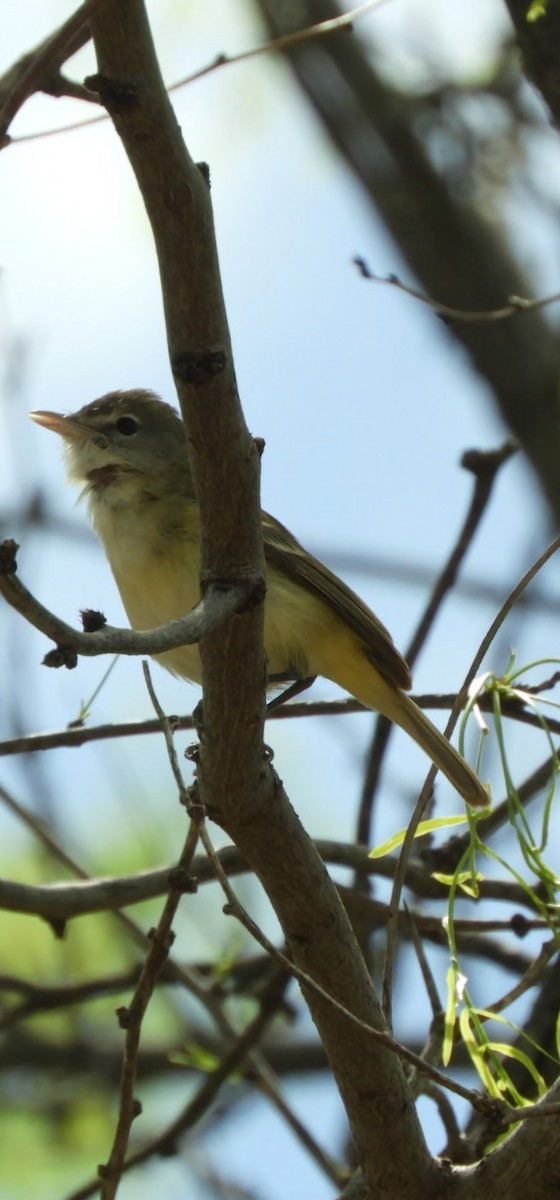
[
  {"x": 237, "y": 785},
  {"x": 381, "y": 1036},
  {"x": 514, "y": 307},
  {"x": 38, "y": 67},
  {"x": 79, "y": 735},
  {"x": 484, "y": 466},
  {"x": 220, "y": 601},
  {"x": 60, "y": 902},
  {"x": 243, "y": 1046},
  {"x": 344, "y": 21},
  {"x": 131, "y": 1018}
]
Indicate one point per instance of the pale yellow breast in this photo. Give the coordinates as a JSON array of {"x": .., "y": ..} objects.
[
  {"x": 154, "y": 552},
  {"x": 155, "y": 560}
]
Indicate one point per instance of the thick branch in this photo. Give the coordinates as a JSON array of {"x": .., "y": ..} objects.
[
  {"x": 60, "y": 902},
  {"x": 236, "y": 783},
  {"x": 524, "y": 1166},
  {"x": 539, "y": 42}
]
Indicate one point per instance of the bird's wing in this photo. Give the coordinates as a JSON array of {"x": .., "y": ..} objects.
[{"x": 285, "y": 553}]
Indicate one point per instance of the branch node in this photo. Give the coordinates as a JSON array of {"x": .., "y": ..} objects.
[
  {"x": 8, "y": 553},
  {"x": 520, "y": 925},
  {"x": 363, "y": 267},
  {"x": 181, "y": 881},
  {"x": 255, "y": 589},
  {"x": 199, "y": 367},
  {"x": 116, "y": 95},
  {"x": 92, "y": 620},
  {"x": 486, "y": 462},
  {"x": 123, "y": 1015},
  {"x": 204, "y": 169},
  {"x": 195, "y": 809},
  {"x": 168, "y": 1149},
  {"x": 58, "y": 927},
  {"x": 61, "y": 656}
]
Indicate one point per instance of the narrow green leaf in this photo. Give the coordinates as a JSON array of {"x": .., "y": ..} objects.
[
  {"x": 465, "y": 880},
  {"x": 520, "y": 1057},
  {"x": 450, "y": 1018},
  {"x": 477, "y": 1057},
  {"x": 424, "y": 827}
]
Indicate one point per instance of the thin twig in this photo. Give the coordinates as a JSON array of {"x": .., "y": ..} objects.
[
  {"x": 79, "y": 735},
  {"x": 504, "y": 612},
  {"x": 167, "y": 725},
  {"x": 131, "y": 1019},
  {"x": 279, "y": 44},
  {"x": 198, "y": 1105},
  {"x": 184, "y": 975},
  {"x": 264, "y": 1080},
  {"x": 408, "y": 842},
  {"x": 532, "y": 976},
  {"x": 515, "y": 306},
  {"x": 484, "y": 466},
  {"x": 455, "y": 1148},
  {"x": 236, "y": 909},
  {"x": 37, "y": 66},
  {"x": 427, "y": 974}
]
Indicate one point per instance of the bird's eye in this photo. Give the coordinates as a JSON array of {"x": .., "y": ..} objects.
[{"x": 127, "y": 426}]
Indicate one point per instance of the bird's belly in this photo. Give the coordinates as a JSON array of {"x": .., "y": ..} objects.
[
  {"x": 292, "y": 617},
  {"x": 155, "y": 589}
]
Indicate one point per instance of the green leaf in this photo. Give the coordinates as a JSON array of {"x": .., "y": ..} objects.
[
  {"x": 536, "y": 10},
  {"x": 450, "y": 1018},
  {"x": 465, "y": 880},
  {"x": 196, "y": 1057},
  {"x": 424, "y": 827},
  {"x": 520, "y": 1057},
  {"x": 474, "y": 1050}
]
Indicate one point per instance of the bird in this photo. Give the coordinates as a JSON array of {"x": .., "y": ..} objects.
[{"x": 128, "y": 451}]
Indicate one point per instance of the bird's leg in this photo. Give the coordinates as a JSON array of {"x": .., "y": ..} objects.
[{"x": 296, "y": 687}]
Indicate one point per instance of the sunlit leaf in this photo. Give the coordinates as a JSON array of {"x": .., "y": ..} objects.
[
  {"x": 424, "y": 827},
  {"x": 537, "y": 10}
]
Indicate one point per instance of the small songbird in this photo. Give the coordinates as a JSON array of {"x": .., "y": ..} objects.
[{"x": 129, "y": 452}]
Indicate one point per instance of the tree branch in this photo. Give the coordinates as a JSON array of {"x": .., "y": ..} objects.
[
  {"x": 238, "y": 787},
  {"x": 39, "y": 69},
  {"x": 220, "y": 601},
  {"x": 539, "y": 42},
  {"x": 61, "y": 901}
]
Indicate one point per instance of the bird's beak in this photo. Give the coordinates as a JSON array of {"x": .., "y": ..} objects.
[{"x": 68, "y": 427}]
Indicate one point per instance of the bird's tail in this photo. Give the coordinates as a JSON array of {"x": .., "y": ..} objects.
[
  {"x": 359, "y": 677},
  {"x": 414, "y": 721}
]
